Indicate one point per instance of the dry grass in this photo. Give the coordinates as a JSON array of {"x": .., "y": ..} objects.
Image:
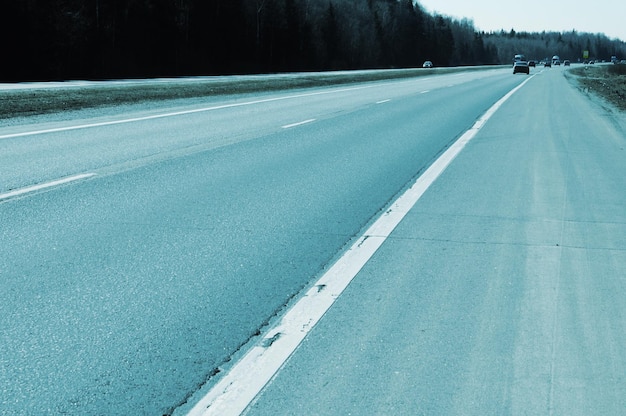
[
  {"x": 20, "y": 103},
  {"x": 35, "y": 101},
  {"x": 606, "y": 81}
]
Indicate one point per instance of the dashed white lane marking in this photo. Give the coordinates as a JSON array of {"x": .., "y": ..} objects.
[
  {"x": 237, "y": 389},
  {"x": 288, "y": 126},
  {"x": 180, "y": 113},
  {"x": 39, "y": 187},
  {"x": 382, "y": 101}
]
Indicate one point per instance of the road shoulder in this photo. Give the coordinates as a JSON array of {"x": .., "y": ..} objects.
[{"x": 500, "y": 292}]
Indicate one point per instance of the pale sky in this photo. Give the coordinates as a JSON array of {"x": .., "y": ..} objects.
[{"x": 595, "y": 16}]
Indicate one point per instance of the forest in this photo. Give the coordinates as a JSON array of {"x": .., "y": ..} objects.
[{"x": 106, "y": 39}]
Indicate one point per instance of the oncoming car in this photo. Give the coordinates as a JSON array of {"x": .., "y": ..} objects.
[{"x": 427, "y": 64}]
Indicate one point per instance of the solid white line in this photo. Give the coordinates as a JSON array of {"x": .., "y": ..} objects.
[
  {"x": 179, "y": 113},
  {"x": 382, "y": 101},
  {"x": 34, "y": 188},
  {"x": 238, "y": 388},
  {"x": 425, "y": 92},
  {"x": 288, "y": 126}
]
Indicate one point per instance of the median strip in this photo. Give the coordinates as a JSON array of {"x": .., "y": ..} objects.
[
  {"x": 45, "y": 98},
  {"x": 181, "y": 113}
]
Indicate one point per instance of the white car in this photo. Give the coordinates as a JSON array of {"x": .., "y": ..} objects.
[
  {"x": 427, "y": 64},
  {"x": 521, "y": 66}
]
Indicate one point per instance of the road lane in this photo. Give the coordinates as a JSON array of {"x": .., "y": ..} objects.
[
  {"x": 123, "y": 293},
  {"x": 501, "y": 292},
  {"x": 241, "y": 383},
  {"x": 139, "y": 135}
]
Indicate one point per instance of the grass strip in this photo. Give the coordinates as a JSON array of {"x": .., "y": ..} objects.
[{"x": 35, "y": 100}]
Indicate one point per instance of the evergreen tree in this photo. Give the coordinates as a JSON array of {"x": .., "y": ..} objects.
[{"x": 62, "y": 39}]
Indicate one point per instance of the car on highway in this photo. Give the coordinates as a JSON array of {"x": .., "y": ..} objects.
[
  {"x": 427, "y": 64},
  {"x": 566, "y": 62},
  {"x": 521, "y": 66},
  {"x": 532, "y": 63}
]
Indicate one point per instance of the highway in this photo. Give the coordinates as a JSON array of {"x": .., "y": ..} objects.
[{"x": 181, "y": 234}]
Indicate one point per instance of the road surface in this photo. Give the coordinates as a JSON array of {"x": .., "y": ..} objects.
[{"x": 132, "y": 289}]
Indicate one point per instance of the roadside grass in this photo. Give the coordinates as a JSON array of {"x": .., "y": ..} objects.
[
  {"x": 608, "y": 82},
  {"x": 24, "y": 102}
]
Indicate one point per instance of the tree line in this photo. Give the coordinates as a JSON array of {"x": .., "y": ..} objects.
[
  {"x": 568, "y": 45},
  {"x": 100, "y": 39}
]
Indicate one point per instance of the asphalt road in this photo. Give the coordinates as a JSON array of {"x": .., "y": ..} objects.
[
  {"x": 124, "y": 292},
  {"x": 501, "y": 292}
]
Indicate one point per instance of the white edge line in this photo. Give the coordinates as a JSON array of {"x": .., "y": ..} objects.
[
  {"x": 288, "y": 126},
  {"x": 34, "y": 188},
  {"x": 245, "y": 380}
]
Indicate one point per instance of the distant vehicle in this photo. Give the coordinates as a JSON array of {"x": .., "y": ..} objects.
[
  {"x": 614, "y": 59},
  {"x": 547, "y": 64},
  {"x": 521, "y": 66},
  {"x": 592, "y": 62},
  {"x": 566, "y": 63},
  {"x": 427, "y": 64},
  {"x": 532, "y": 63},
  {"x": 556, "y": 60}
]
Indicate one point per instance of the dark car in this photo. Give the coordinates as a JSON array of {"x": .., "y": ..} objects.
[
  {"x": 532, "y": 63},
  {"x": 521, "y": 66},
  {"x": 547, "y": 64},
  {"x": 566, "y": 62}
]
